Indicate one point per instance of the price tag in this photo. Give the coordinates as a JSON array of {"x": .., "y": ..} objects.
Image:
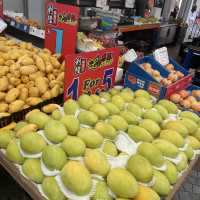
[
  {"x": 161, "y": 55},
  {"x": 129, "y": 3},
  {"x": 130, "y": 56},
  {"x": 61, "y": 24},
  {"x": 101, "y": 3},
  {"x": 90, "y": 72}
]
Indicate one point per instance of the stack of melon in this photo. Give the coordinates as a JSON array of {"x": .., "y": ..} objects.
[{"x": 118, "y": 145}]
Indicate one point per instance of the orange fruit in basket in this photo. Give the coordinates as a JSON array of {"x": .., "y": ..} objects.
[
  {"x": 184, "y": 94},
  {"x": 176, "y": 98},
  {"x": 196, "y": 106}
]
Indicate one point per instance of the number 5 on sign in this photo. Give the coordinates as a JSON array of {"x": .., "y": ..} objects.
[{"x": 61, "y": 23}]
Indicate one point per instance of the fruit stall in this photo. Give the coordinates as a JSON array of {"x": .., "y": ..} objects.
[{"x": 70, "y": 128}]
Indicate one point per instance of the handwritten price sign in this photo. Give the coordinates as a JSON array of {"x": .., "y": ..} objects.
[
  {"x": 61, "y": 23},
  {"x": 90, "y": 72}
]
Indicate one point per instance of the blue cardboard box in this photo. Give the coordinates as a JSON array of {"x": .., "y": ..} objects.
[{"x": 137, "y": 78}]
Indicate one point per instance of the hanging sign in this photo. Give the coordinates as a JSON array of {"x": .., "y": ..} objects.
[
  {"x": 90, "y": 72},
  {"x": 61, "y": 24}
]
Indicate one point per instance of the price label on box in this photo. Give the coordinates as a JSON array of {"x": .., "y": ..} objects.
[
  {"x": 90, "y": 72},
  {"x": 161, "y": 55},
  {"x": 61, "y": 24}
]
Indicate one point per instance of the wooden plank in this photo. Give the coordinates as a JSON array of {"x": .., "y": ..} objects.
[
  {"x": 26, "y": 184},
  {"x": 31, "y": 189},
  {"x": 130, "y": 28},
  {"x": 183, "y": 179}
]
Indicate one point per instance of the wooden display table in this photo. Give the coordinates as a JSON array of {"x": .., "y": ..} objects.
[{"x": 32, "y": 190}]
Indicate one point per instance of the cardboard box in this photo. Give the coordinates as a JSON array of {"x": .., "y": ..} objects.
[{"x": 136, "y": 78}]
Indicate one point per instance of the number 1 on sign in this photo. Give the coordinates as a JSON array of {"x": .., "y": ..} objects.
[
  {"x": 73, "y": 89},
  {"x": 59, "y": 40},
  {"x": 107, "y": 80}
]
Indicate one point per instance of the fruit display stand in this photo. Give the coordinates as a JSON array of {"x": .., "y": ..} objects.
[{"x": 33, "y": 191}]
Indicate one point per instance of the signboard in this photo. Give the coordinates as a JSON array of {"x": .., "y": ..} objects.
[
  {"x": 1, "y": 9},
  {"x": 161, "y": 55},
  {"x": 61, "y": 24},
  {"x": 90, "y": 72}
]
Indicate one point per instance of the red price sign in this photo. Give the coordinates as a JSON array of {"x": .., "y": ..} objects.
[
  {"x": 61, "y": 24},
  {"x": 90, "y": 72},
  {"x": 1, "y": 9}
]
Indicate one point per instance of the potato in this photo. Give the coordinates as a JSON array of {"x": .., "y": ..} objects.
[
  {"x": 50, "y": 108},
  {"x": 24, "y": 79},
  {"x": 15, "y": 55},
  {"x": 10, "y": 42},
  {"x": 5, "y": 56},
  {"x": 53, "y": 83},
  {"x": 26, "y": 129},
  {"x": 9, "y": 62},
  {"x": 25, "y": 106},
  {"x": 4, "y": 114},
  {"x": 2, "y": 61},
  {"x": 14, "y": 81},
  {"x": 27, "y": 61},
  {"x": 39, "y": 63},
  {"x": 56, "y": 72},
  {"x": 10, "y": 86},
  {"x": 29, "y": 46},
  {"x": 16, "y": 106},
  {"x": 23, "y": 94},
  {"x": 16, "y": 74},
  {"x": 4, "y": 48},
  {"x": 61, "y": 77},
  {"x": 54, "y": 62},
  {"x": 10, "y": 126},
  {"x": 3, "y": 70},
  {"x": 32, "y": 101},
  {"x": 41, "y": 84},
  {"x": 51, "y": 77},
  {"x": 20, "y": 86},
  {"x": 34, "y": 92},
  {"x": 9, "y": 75},
  {"x": 3, "y": 107},
  {"x": 47, "y": 51},
  {"x": 46, "y": 95},
  {"x": 30, "y": 84},
  {"x": 49, "y": 67},
  {"x": 3, "y": 84},
  {"x": 44, "y": 56},
  {"x": 22, "y": 45},
  {"x": 12, "y": 95},
  {"x": 14, "y": 67},
  {"x": 55, "y": 91},
  {"x": 29, "y": 69},
  {"x": 61, "y": 90},
  {"x": 2, "y": 96},
  {"x": 33, "y": 76}
]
